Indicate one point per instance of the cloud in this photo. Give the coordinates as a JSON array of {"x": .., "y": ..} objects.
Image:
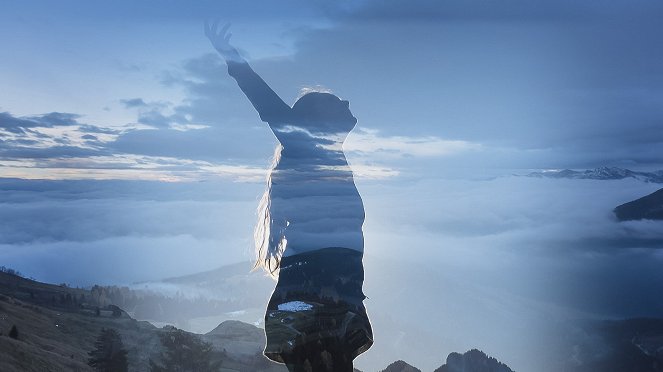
[
  {"x": 532, "y": 236},
  {"x": 216, "y": 102},
  {"x": 133, "y": 102},
  {"x": 58, "y": 146},
  {"x": 51, "y": 135},
  {"x": 156, "y": 119},
  {"x": 123, "y": 260},
  {"x": 369, "y": 142},
  {"x": 126, "y": 224},
  {"x": 19, "y": 125},
  {"x": 506, "y": 11},
  {"x": 26, "y": 152},
  {"x": 87, "y": 128},
  {"x": 513, "y": 219},
  {"x": 129, "y": 167},
  {"x": 505, "y": 248},
  {"x": 85, "y": 211},
  {"x": 556, "y": 79},
  {"x": 575, "y": 80}
]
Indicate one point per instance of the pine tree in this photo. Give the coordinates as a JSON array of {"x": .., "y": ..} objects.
[
  {"x": 13, "y": 333},
  {"x": 184, "y": 352},
  {"x": 109, "y": 354}
]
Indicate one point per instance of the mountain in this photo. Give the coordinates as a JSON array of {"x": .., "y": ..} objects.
[
  {"x": 601, "y": 173},
  {"x": 400, "y": 366},
  {"x": 58, "y": 326},
  {"x": 472, "y": 361},
  {"x": 648, "y": 207},
  {"x": 56, "y": 335}
]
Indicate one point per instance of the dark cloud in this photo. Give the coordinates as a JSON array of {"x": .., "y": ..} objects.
[
  {"x": 87, "y": 128},
  {"x": 583, "y": 89},
  {"x": 30, "y": 143},
  {"x": 20, "y": 124},
  {"x": 508, "y": 10},
  {"x": 155, "y": 119},
  {"x": 56, "y": 119},
  {"x": 12, "y": 124},
  {"x": 133, "y": 102},
  {"x": 25, "y": 124}
]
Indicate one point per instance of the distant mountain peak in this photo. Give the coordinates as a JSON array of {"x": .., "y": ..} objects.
[
  {"x": 400, "y": 366},
  {"x": 473, "y": 361},
  {"x": 600, "y": 173}
]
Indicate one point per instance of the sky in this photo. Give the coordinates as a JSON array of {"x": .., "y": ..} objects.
[{"x": 127, "y": 153}]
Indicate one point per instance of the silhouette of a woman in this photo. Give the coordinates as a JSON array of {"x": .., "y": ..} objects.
[{"x": 310, "y": 226}]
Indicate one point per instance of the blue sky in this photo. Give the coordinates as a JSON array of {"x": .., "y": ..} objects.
[{"x": 127, "y": 153}]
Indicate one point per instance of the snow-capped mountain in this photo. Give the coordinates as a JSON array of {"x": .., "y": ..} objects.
[{"x": 601, "y": 173}]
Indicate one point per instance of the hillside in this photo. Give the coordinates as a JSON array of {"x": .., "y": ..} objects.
[
  {"x": 648, "y": 207},
  {"x": 59, "y": 339},
  {"x": 57, "y": 335}
]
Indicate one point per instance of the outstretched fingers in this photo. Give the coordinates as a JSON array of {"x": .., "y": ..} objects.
[
  {"x": 208, "y": 29},
  {"x": 220, "y": 37},
  {"x": 211, "y": 30},
  {"x": 224, "y": 29}
]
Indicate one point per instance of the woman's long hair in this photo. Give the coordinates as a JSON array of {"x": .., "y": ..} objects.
[{"x": 268, "y": 252}]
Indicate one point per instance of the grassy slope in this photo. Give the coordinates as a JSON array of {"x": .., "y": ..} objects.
[{"x": 54, "y": 337}]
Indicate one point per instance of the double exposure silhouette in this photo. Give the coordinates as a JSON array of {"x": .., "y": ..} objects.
[{"x": 309, "y": 232}]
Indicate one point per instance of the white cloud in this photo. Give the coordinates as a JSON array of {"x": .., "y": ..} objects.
[
  {"x": 128, "y": 167},
  {"x": 369, "y": 142}
]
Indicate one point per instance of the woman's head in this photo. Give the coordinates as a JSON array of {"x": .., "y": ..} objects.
[{"x": 323, "y": 113}]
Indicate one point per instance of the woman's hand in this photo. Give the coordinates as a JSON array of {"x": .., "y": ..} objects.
[{"x": 220, "y": 39}]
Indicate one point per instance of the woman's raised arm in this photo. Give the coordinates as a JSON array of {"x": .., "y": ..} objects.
[{"x": 269, "y": 105}]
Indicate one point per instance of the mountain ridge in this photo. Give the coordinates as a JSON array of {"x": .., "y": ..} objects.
[
  {"x": 600, "y": 173},
  {"x": 649, "y": 207}
]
